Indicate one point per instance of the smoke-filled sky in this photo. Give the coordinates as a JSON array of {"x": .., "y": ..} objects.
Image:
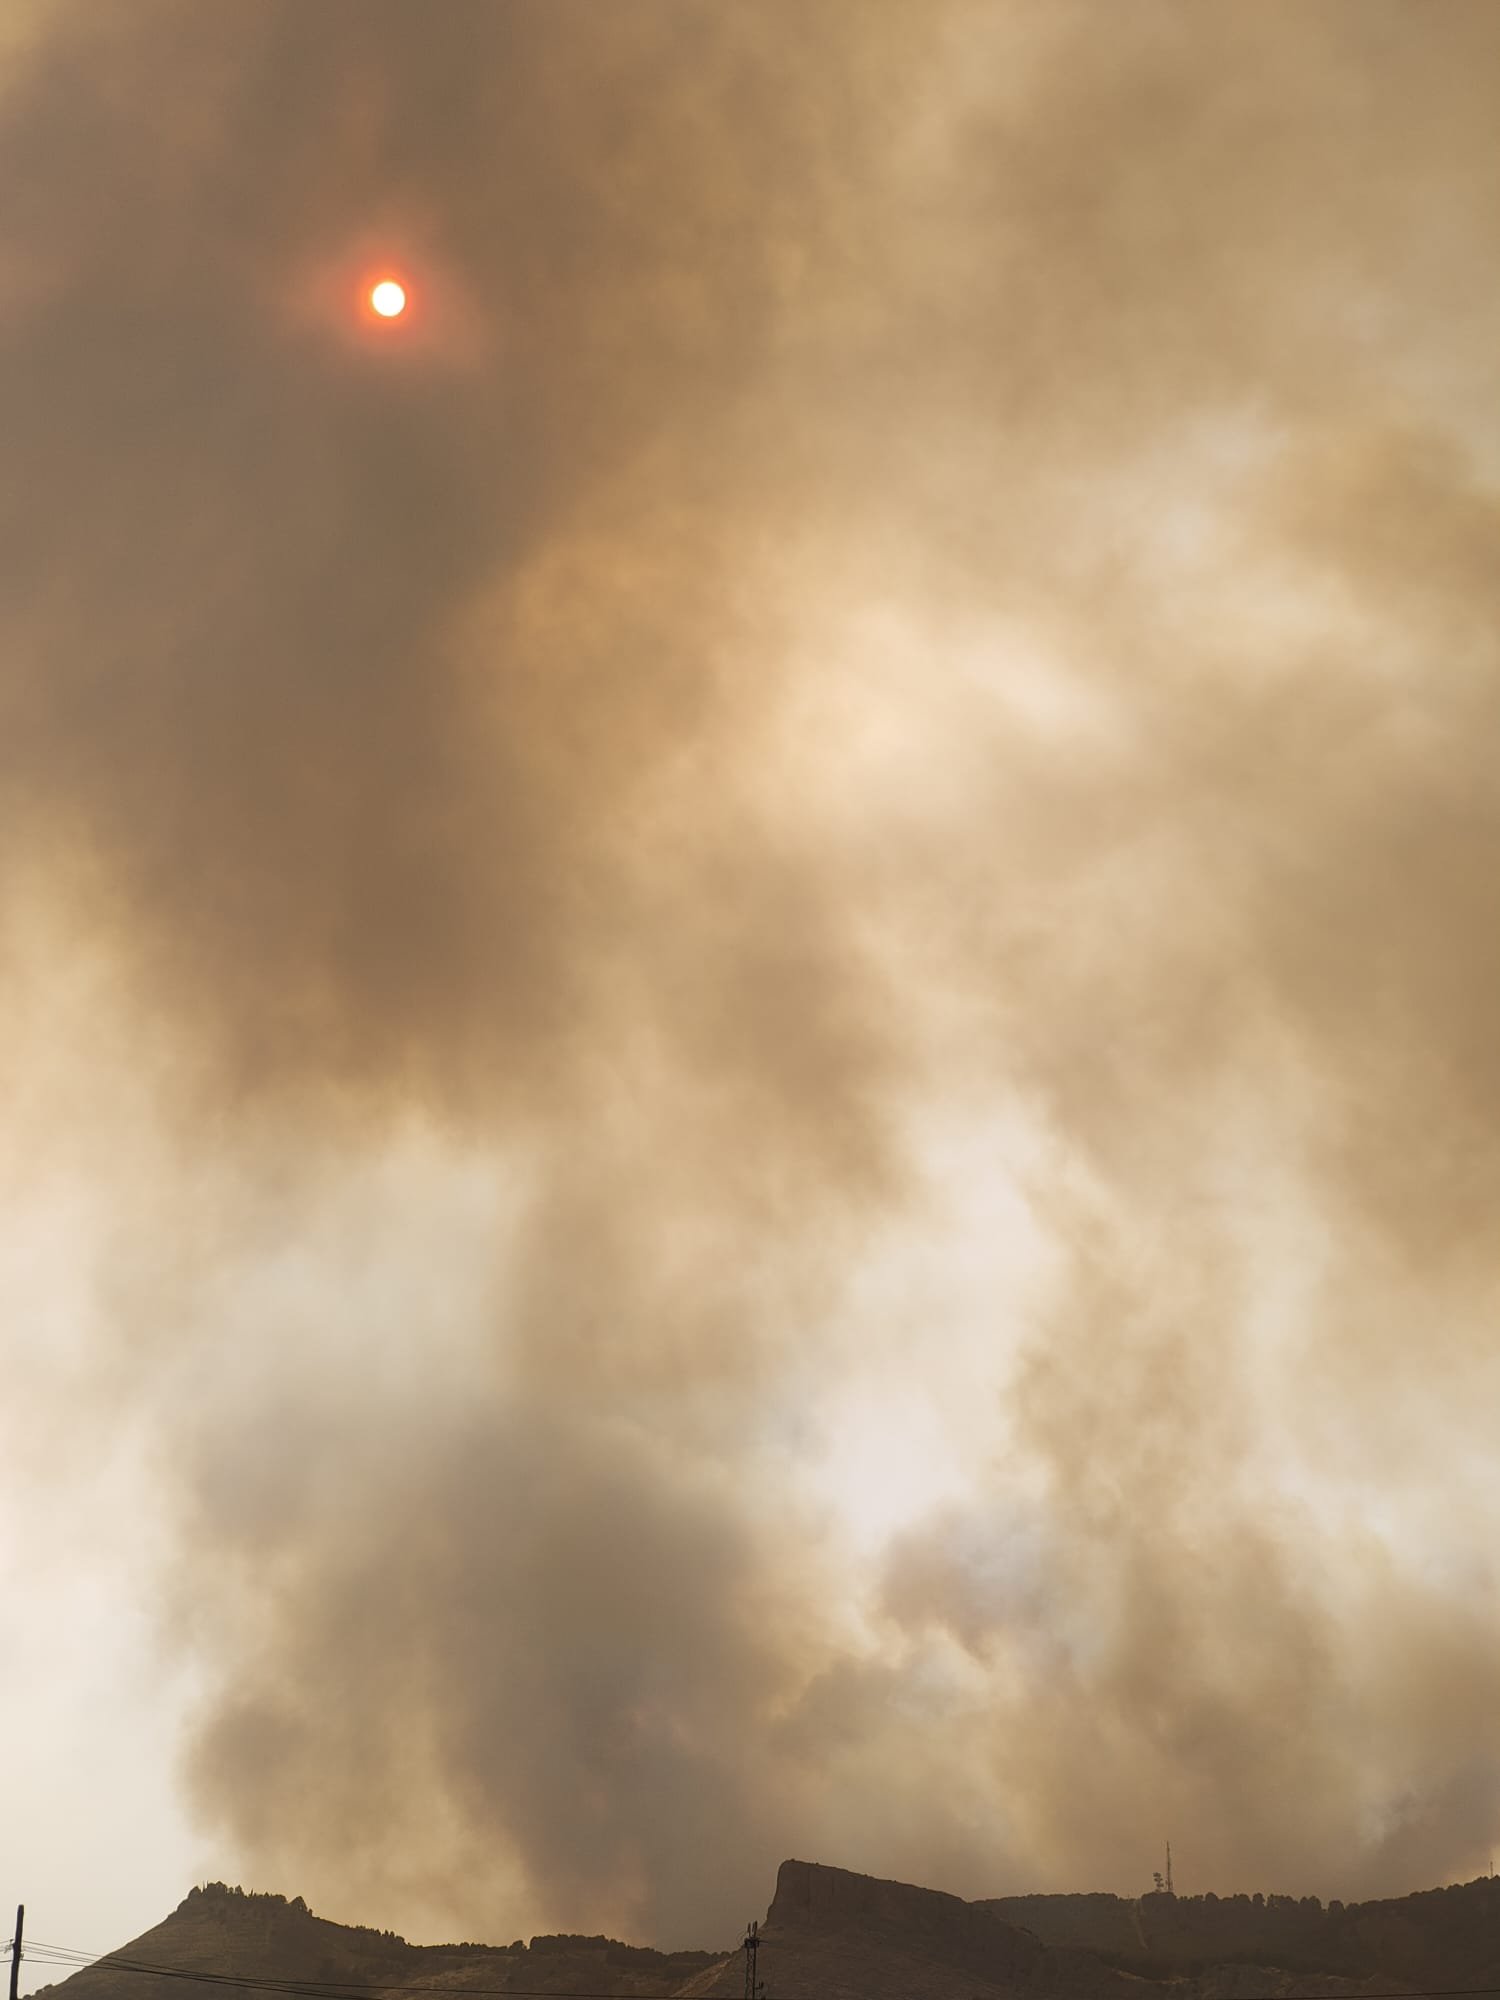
[{"x": 751, "y": 982}]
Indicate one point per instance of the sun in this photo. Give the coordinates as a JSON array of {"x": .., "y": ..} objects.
[{"x": 388, "y": 298}]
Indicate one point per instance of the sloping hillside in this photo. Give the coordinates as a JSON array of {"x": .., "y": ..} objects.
[
  {"x": 1438, "y": 1937},
  {"x": 833, "y": 1935},
  {"x": 266, "y": 1941}
]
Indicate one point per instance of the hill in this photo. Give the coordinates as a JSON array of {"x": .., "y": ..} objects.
[
  {"x": 244, "y": 1944},
  {"x": 1435, "y": 1938},
  {"x": 833, "y": 1935}
]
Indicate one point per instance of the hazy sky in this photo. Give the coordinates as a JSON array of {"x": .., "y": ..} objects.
[{"x": 750, "y": 981}]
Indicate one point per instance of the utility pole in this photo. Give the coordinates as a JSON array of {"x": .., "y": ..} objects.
[
  {"x": 751, "y": 1946},
  {"x": 15, "y": 1950}
]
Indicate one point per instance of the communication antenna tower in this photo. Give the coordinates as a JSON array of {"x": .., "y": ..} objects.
[
  {"x": 1170, "y": 1890},
  {"x": 754, "y": 1988}
]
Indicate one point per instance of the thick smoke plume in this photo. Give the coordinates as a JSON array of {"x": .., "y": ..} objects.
[{"x": 770, "y": 963}]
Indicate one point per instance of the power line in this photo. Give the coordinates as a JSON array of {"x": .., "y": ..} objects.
[
  {"x": 65, "y": 1955},
  {"x": 62, "y": 1957}
]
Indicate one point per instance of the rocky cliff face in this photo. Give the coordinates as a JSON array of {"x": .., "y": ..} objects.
[
  {"x": 832, "y": 1933},
  {"x": 810, "y": 1896}
]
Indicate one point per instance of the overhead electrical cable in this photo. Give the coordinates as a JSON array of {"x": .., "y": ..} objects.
[{"x": 65, "y": 1955}]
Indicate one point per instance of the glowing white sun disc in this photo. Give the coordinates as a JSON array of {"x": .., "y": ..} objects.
[{"x": 388, "y": 298}]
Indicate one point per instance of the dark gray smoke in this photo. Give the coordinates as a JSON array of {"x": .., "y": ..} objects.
[{"x": 771, "y": 948}]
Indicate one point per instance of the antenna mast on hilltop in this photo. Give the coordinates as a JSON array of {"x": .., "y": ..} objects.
[
  {"x": 1170, "y": 1890},
  {"x": 753, "y": 1988}
]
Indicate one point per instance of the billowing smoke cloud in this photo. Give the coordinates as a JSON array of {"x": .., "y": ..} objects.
[{"x": 772, "y": 954}]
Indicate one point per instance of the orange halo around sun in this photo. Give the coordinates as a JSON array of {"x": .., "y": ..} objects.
[{"x": 388, "y": 298}]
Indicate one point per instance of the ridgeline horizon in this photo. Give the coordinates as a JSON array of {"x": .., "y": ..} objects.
[{"x": 832, "y": 1934}]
